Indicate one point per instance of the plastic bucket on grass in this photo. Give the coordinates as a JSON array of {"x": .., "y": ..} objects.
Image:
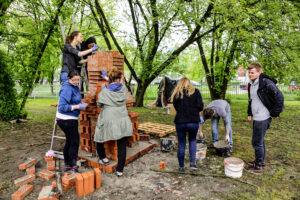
[
  {"x": 201, "y": 151},
  {"x": 233, "y": 167}
]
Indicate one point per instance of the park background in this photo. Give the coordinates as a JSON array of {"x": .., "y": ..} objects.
[{"x": 207, "y": 41}]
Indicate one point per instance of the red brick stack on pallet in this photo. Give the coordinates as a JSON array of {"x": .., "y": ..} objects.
[{"x": 96, "y": 63}]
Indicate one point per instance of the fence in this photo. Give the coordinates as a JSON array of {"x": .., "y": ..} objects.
[{"x": 234, "y": 91}]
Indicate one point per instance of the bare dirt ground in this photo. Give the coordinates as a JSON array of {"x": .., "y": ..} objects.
[{"x": 32, "y": 139}]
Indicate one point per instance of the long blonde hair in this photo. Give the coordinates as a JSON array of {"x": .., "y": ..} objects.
[{"x": 183, "y": 84}]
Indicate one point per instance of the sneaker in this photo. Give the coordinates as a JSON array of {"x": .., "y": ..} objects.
[
  {"x": 181, "y": 169},
  {"x": 193, "y": 167},
  {"x": 255, "y": 169},
  {"x": 119, "y": 174},
  {"x": 103, "y": 161},
  {"x": 231, "y": 150},
  {"x": 67, "y": 168},
  {"x": 75, "y": 168},
  {"x": 252, "y": 163}
]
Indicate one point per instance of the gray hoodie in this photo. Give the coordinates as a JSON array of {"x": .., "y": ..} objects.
[{"x": 259, "y": 111}]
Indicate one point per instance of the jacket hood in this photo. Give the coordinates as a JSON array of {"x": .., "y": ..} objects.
[
  {"x": 110, "y": 98},
  {"x": 114, "y": 87},
  {"x": 268, "y": 77}
]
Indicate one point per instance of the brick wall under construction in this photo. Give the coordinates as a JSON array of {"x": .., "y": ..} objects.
[{"x": 88, "y": 118}]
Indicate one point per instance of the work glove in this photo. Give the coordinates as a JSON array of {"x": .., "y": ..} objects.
[
  {"x": 227, "y": 139},
  {"x": 104, "y": 74},
  {"x": 95, "y": 47},
  {"x": 82, "y": 106}
]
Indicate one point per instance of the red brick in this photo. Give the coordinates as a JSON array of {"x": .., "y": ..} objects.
[
  {"x": 30, "y": 170},
  {"x": 54, "y": 184},
  {"x": 69, "y": 179},
  {"x": 22, "y": 192},
  {"x": 91, "y": 182},
  {"x": 97, "y": 173},
  {"x": 79, "y": 185},
  {"x": 24, "y": 180},
  {"x": 86, "y": 183},
  {"x": 51, "y": 165},
  {"x": 144, "y": 137},
  {"x": 47, "y": 159},
  {"x": 27, "y": 164},
  {"x": 162, "y": 165},
  {"x": 46, "y": 174}
]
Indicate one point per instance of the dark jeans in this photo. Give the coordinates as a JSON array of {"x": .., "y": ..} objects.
[
  {"x": 258, "y": 140},
  {"x": 70, "y": 128},
  {"x": 121, "y": 152},
  {"x": 182, "y": 129}
]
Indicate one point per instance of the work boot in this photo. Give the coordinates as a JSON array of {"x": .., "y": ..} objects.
[
  {"x": 252, "y": 163},
  {"x": 255, "y": 169}
]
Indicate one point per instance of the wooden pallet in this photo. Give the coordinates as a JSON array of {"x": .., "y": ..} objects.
[{"x": 159, "y": 130}]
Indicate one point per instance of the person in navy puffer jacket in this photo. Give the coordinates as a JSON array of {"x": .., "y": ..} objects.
[{"x": 69, "y": 107}]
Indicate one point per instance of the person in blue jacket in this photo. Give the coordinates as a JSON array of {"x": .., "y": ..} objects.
[
  {"x": 69, "y": 107},
  {"x": 72, "y": 55}
]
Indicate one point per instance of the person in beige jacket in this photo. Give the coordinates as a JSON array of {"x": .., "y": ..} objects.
[{"x": 113, "y": 121}]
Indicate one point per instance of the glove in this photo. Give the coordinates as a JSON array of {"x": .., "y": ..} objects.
[
  {"x": 227, "y": 138},
  {"x": 82, "y": 106},
  {"x": 103, "y": 74},
  {"x": 95, "y": 47}
]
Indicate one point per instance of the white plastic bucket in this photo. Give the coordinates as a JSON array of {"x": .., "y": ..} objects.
[
  {"x": 201, "y": 151},
  {"x": 233, "y": 167}
]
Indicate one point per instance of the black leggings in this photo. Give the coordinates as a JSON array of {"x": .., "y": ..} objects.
[
  {"x": 121, "y": 152},
  {"x": 70, "y": 128}
]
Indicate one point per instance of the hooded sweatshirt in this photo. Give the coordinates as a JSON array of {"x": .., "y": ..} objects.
[{"x": 69, "y": 95}]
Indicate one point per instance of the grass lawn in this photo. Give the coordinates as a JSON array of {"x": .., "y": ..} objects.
[{"x": 281, "y": 179}]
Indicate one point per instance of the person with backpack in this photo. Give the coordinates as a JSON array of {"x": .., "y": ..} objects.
[{"x": 265, "y": 102}]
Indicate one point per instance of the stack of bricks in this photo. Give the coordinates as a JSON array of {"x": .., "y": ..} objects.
[
  {"x": 50, "y": 163},
  {"x": 98, "y": 62},
  {"x": 25, "y": 189},
  {"x": 68, "y": 181},
  {"x": 87, "y": 182}
]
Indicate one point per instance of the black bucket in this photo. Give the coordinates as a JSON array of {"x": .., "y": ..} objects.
[{"x": 222, "y": 148}]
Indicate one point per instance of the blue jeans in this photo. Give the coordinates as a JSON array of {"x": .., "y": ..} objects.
[
  {"x": 63, "y": 77},
  {"x": 258, "y": 140},
  {"x": 215, "y": 128},
  {"x": 182, "y": 129}
]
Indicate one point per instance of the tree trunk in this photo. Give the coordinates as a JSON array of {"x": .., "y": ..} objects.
[
  {"x": 139, "y": 97},
  {"x": 37, "y": 72}
]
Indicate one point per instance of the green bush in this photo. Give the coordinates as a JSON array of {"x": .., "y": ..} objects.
[{"x": 9, "y": 108}]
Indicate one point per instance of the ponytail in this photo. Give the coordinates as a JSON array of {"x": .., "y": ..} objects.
[
  {"x": 70, "y": 38},
  {"x": 114, "y": 74}
]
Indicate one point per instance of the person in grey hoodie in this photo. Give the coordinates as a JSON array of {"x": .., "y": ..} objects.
[{"x": 215, "y": 110}]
